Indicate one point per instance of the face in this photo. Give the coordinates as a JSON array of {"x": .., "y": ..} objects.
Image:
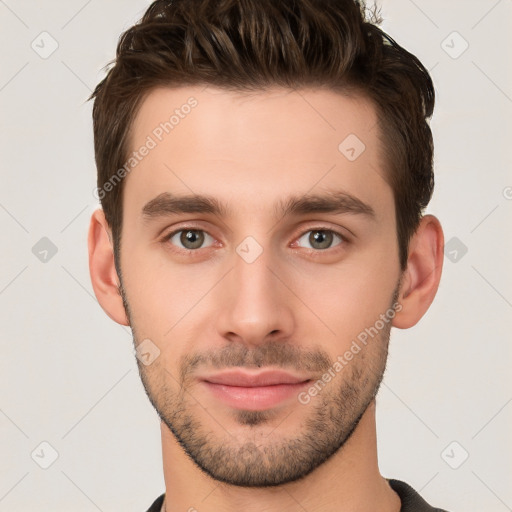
[{"x": 259, "y": 263}]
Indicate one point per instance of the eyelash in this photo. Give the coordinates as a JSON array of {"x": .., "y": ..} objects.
[{"x": 344, "y": 240}]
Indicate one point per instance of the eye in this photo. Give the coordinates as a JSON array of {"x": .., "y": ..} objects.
[
  {"x": 321, "y": 239},
  {"x": 190, "y": 239}
]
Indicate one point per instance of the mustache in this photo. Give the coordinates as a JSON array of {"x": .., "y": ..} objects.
[{"x": 274, "y": 353}]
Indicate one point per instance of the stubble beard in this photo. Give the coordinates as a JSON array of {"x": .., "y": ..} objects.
[{"x": 257, "y": 459}]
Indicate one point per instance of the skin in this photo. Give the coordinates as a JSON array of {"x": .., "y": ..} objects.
[{"x": 298, "y": 306}]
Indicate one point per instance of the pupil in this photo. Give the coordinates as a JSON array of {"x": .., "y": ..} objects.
[
  {"x": 322, "y": 238},
  {"x": 191, "y": 239}
]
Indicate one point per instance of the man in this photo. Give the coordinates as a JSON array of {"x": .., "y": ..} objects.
[{"x": 263, "y": 167}]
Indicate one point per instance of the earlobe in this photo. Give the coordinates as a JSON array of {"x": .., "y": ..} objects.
[
  {"x": 423, "y": 273},
  {"x": 104, "y": 278}
]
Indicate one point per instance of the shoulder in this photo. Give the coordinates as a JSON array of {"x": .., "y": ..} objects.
[
  {"x": 157, "y": 504},
  {"x": 411, "y": 500}
]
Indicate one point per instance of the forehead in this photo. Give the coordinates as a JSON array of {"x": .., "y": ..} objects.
[{"x": 249, "y": 147}]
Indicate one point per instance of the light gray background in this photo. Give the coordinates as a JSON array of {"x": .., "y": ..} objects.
[{"x": 68, "y": 373}]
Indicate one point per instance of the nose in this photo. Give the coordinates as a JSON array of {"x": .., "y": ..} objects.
[{"x": 255, "y": 304}]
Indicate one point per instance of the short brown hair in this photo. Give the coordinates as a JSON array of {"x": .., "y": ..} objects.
[{"x": 250, "y": 45}]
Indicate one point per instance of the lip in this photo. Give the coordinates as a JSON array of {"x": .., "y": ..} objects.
[
  {"x": 251, "y": 379},
  {"x": 254, "y": 391}
]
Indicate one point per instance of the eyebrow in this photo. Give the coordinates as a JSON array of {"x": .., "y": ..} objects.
[{"x": 338, "y": 202}]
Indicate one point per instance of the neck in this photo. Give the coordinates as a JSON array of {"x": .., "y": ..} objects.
[{"x": 349, "y": 480}]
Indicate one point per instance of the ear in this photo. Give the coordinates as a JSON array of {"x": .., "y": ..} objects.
[
  {"x": 104, "y": 278},
  {"x": 421, "y": 278}
]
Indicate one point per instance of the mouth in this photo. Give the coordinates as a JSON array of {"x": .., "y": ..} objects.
[{"x": 254, "y": 391}]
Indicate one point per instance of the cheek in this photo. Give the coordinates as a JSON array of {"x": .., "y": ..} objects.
[
  {"x": 164, "y": 296},
  {"x": 169, "y": 300},
  {"x": 349, "y": 297},
  {"x": 347, "y": 309}
]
